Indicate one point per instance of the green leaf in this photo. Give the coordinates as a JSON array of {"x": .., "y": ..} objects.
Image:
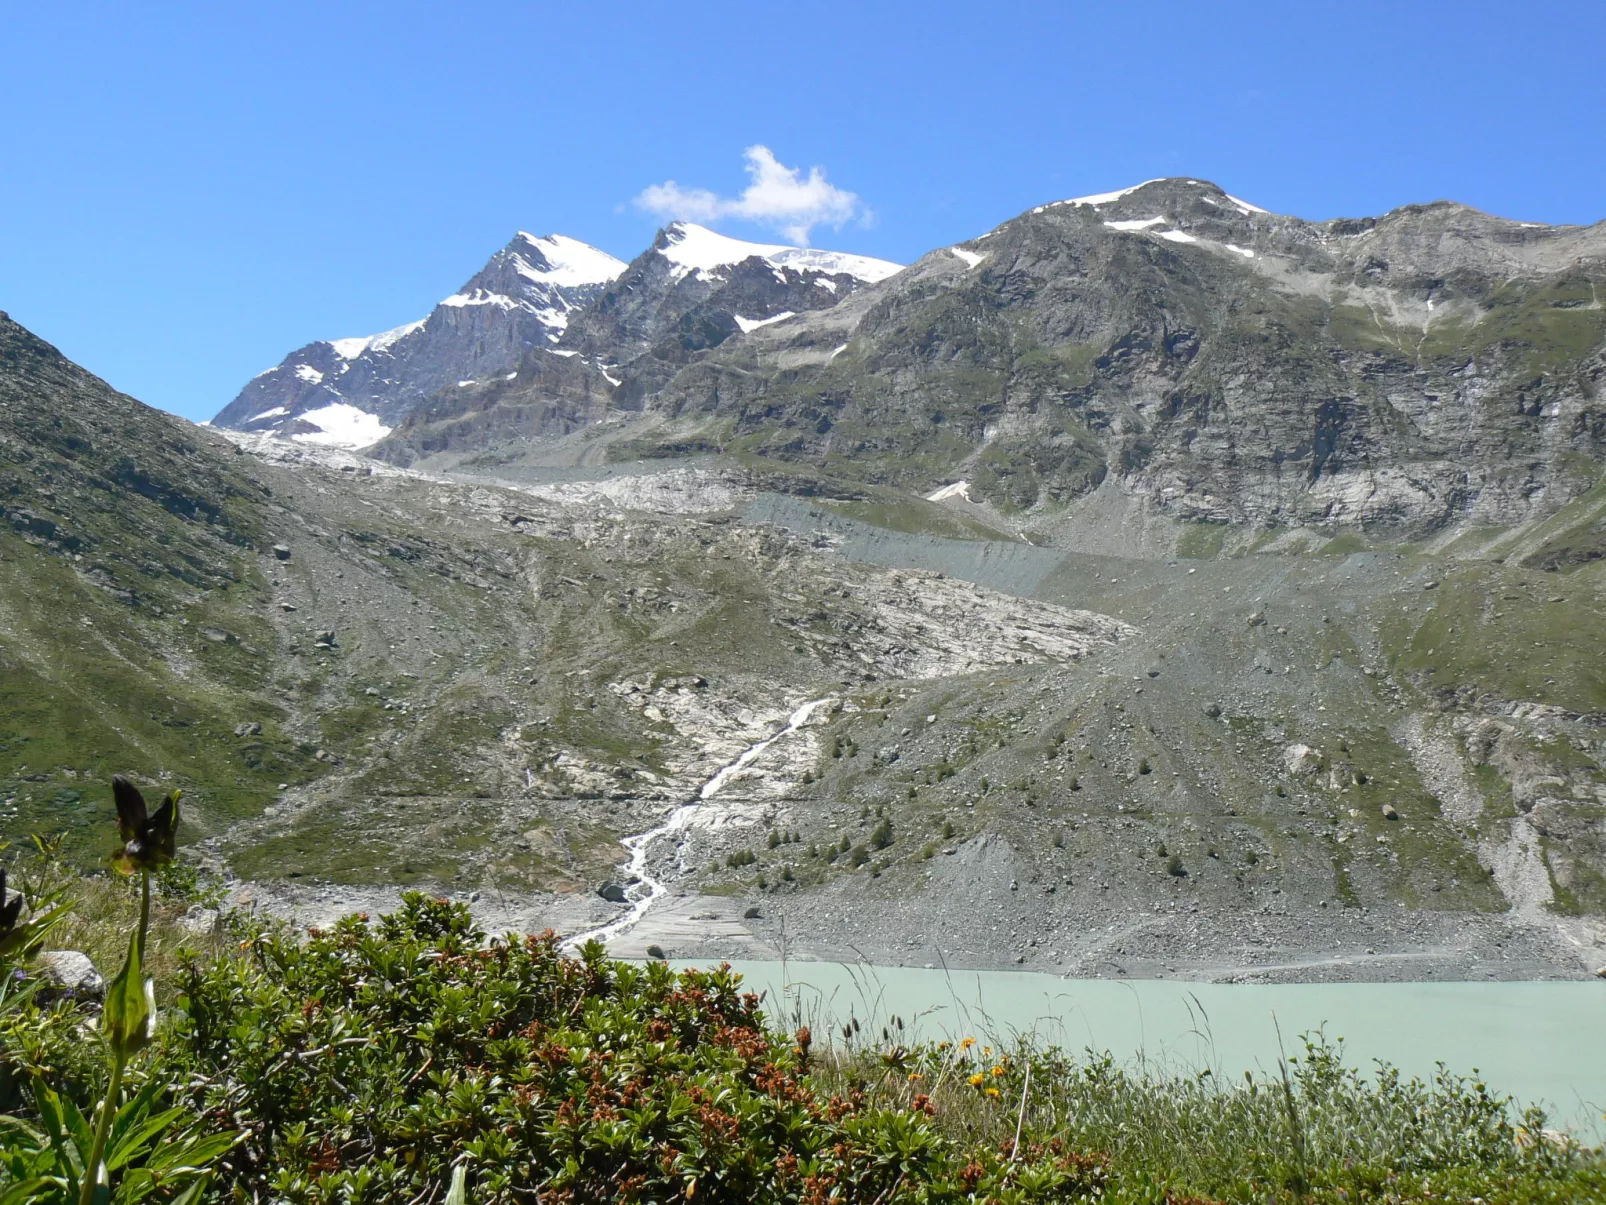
[
  {"x": 130, "y": 1004},
  {"x": 458, "y": 1194},
  {"x": 28, "y": 1191},
  {"x": 193, "y": 1155},
  {"x": 192, "y": 1194}
]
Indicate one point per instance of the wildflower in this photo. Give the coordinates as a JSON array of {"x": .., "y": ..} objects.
[
  {"x": 915, "y": 1075},
  {"x": 992, "y": 1091},
  {"x": 967, "y": 1043},
  {"x": 148, "y": 841},
  {"x": 998, "y": 1071},
  {"x": 976, "y": 1080}
]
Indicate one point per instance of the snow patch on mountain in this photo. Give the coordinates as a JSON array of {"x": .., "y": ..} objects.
[
  {"x": 482, "y": 297},
  {"x": 383, "y": 341},
  {"x": 692, "y": 248},
  {"x": 752, "y": 324},
  {"x": 350, "y": 349},
  {"x": 568, "y": 262},
  {"x": 971, "y": 258},
  {"x": 959, "y": 489},
  {"x": 341, "y": 426},
  {"x": 1106, "y": 198}
]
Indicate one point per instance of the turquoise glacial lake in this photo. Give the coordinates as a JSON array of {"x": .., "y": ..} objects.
[{"x": 1540, "y": 1042}]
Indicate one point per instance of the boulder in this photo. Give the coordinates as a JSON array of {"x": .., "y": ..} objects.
[
  {"x": 1301, "y": 760},
  {"x": 202, "y": 922},
  {"x": 1389, "y": 813},
  {"x": 281, "y": 551},
  {"x": 250, "y": 728},
  {"x": 613, "y": 893},
  {"x": 68, "y": 974}
]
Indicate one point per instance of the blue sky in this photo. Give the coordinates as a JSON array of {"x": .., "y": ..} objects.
[{"x": 189, "y": 191}]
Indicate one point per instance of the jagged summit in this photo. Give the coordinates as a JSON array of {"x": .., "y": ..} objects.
[
  {"x": 546, "y": 277},
  {"x": 352, "y": 392},
  {"x": 1160, "y": 192},
  {"x": 506, "y": 336}
]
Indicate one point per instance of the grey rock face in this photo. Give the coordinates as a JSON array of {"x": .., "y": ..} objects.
[{"x": 1218, "y": 363}]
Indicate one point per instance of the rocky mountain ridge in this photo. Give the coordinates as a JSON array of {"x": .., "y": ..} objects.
[
  {"x": 501, "y": 340},
  {"x": 1210, "y": 362}
]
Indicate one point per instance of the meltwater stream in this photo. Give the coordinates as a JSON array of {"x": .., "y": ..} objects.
[{"x": 640, "y": 845}]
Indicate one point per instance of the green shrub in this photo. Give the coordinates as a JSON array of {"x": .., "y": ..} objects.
[
  {"x": 881, "y": 835},
  {"x": 368, "y": 1060}
]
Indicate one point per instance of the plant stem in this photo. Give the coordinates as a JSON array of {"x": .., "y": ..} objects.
[
  {"x": 1020, "y": 1122},
  {"x": 108, "y": 1106},
  {"x": 103, "y": 1125},
  {"x": 144, "y": 912}
]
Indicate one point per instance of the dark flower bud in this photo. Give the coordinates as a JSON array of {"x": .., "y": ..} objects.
[{"x": 148, "y": 841}]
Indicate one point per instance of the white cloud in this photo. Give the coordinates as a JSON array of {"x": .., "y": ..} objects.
[{"x": 777, "y": 196}]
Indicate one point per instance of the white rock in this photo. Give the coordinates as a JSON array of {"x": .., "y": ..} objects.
[
  {"x": 70, "y": 971},
  {"x": 1301, "y": 760},
  {"x": 203, "y": 922}
]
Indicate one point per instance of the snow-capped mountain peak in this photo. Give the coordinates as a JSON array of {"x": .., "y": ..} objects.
[
  {"x": 546, "y": 276},
  {"x": 692, "y": 248},
  {"x": 350, "y": 349},
  {"x": 349, "y": 392},
  {"x": 557, "y": 259}
]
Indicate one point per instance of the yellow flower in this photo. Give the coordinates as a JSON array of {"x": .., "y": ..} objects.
[
  {"x": 967, "y": 1043},
  {"x": 915, "y": 1075},
  {"x": 998, "y": 1071},
  {"x": 975, "y": 1080},
  {"x": 986, "y": 1049},
  {"x": 992, "y": 1091}
]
